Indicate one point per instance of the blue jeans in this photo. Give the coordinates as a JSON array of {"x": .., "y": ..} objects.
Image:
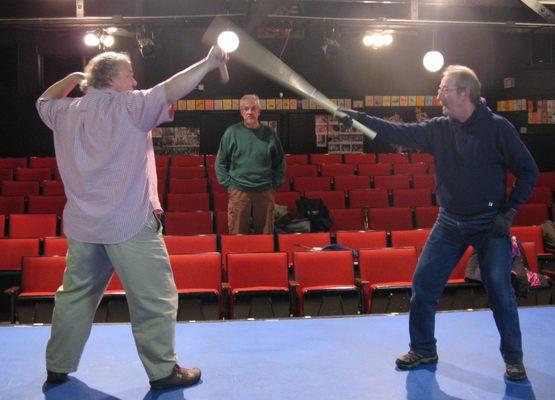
[{"x": 446, "y": 244}]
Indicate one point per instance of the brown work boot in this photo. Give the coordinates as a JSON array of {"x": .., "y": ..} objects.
[
  {"x": 515, "y": 372},
  {"x": 180, "y": 377},
  {"x": 413, "y": 359}
]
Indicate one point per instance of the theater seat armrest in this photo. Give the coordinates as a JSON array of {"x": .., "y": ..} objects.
[
  {"x": 293, "y": 284},
  {"x": 361, "y": 282},
  {"x": 13, "y": 291}
]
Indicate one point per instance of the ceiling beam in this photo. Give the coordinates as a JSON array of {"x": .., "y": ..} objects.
[{"x": 541, "y": 10}]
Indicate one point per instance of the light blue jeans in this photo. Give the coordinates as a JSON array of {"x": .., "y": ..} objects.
[
  {"x": 446, "y": 244},
  {"x": 142, "y": 264}
]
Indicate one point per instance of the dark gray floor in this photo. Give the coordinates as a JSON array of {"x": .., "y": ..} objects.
[{"x": 324, "y": 358}]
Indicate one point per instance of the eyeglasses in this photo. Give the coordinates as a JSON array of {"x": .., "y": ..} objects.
[{"x": 444, "y": 90}]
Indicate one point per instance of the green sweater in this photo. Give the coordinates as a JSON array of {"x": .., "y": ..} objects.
[{"x": 250, "y": 159}]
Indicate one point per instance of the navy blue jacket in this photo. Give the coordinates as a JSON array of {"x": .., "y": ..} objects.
[{"x": 471, "y": 158}]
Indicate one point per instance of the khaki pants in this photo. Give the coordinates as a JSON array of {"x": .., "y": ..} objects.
[
  {"x": 243, "y": 206},
  {"x": 143, "y": 267}
]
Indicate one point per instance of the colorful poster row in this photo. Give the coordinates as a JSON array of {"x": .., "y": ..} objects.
[
  {"x": 539, "y": 111},
  {"x": 307, "y": 104}
]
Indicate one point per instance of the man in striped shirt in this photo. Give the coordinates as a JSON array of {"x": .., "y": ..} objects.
[{"x": 105, "y": 156}]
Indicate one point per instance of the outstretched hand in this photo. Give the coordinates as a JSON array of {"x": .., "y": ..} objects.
[
  {"x": 217, "y": 57},
  {"x": 347, "y": 119}
]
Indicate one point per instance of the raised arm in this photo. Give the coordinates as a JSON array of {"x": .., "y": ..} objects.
[
  {"x": 62, "y": 88},
  {"x": 183, "y": 82}
]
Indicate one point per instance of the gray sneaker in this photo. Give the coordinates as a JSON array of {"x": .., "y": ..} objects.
[
  {"x": 413, "y": 359},
  {"x": 515, "y": 372}
]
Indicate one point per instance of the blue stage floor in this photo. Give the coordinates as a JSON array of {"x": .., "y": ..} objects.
[{"x": 324, "y": 358}]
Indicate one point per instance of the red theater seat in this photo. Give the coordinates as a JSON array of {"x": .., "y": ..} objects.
[
  {"x": 412, "y": 198},
  {"x": 337, "y": 169},
  {"x": 393, "y": 158},
  {"x": 258, "y": 285},
  {"x": 331, "y": 198},
  {"x": 12, "y": 205},
  {"x": 392, "y": 182},
  {"x": 13, "y": 162},
  {"x": 377, "y": 169},
  {"x": 393, "y": 218},
  {"x": 296, "y": 170},
  {"x": 194, "y": 185},
  {"x": 351, "y": 182},
  {"x": 188, "y": 172},
  {"x": 531, "y": 214},
  {"x": 33, "y": 174},
  {"x": 198, "y": 281},
  {"x": 422, "y": 157},
  {"x": 311, "y": 183},
  {"x": 360, "y": 158},
  {"x": 43, "y": 162},
  {"x": 189, "y": 223},
  {"x": 319, "y": 159},
  {"x": 413, "y": 237},
  {"x": 55, "y": 246},
  {"x": 46, "y": 204},
  {"x": 368, "y": 198},
  {"x": 245, "y": 244},
  {"x": 188, "y": 201},
  {"x": 18, "y": 188},
  {"x": 324, "y": 283},
  {"x": 12, "y": 251},
  {"x": 357, "y": 240},
  {"x": 290, "y": 242},
  {"x": 52, "y": 188},
  {"x": 190, "y": 244},
  {"x": 386, "y": 270},
  {"x": 32, "y": 225},
  {"x": 426, "y": 216},
  {"x": 418, "y": 168},
  {"x": 424, "y": 182},
  {"x": 187, "y": 161},
  {"x": 347, "y": 219},
  {"x": 296, "y": 159}
]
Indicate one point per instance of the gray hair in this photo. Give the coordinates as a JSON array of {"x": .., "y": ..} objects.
[
  {"x": 101, "y": 69},
  {"x": 253, "y": 97},
  {"x": 465, "y": 79}
]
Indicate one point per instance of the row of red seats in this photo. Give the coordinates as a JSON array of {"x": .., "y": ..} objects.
[
  {"x": 202, "y": 222},
  {"x": 258, "y": 284},
  {"x": 12, "y": 250}
]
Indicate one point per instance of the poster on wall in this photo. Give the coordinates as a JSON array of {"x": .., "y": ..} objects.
[
  {"x": 176, "y": 140},
  {"x": 336, "y": 137}
]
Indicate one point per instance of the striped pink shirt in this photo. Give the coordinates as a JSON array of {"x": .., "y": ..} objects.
[{"x": 104, "y": 152}]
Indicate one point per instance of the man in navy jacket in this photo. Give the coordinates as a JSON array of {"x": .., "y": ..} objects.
[{"x": 473, "y": 149}]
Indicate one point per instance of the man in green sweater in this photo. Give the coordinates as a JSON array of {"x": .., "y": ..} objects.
[{"x": 251, "y": 165}]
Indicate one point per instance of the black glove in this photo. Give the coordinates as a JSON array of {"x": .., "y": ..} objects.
[
  {"x": 348, "y": 119},
  {"x": 502, "y": 222}
]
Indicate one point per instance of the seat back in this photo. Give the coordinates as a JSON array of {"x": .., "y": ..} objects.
[
  {"x": 387, "y": 265},
  {"x": 320, "y": 268},
  {"x": 413, "y": 237},
  {"x": 368, "y": 198},
  {"x": 393, "y": 218},
  {"x": 32, "y": 225},
  {"x": 362, "y": 239},
  {"x": 42, "y": 274},
  {"x": 190, "y": 244},
  {"x": 55, "y": 246},
  {"x": 290, "y": 242},
  {"x": 197, "y": 271},
  {"x": 257, "y": 269},
  {"x": 13, "y": 250},
  {"x": 189, "y": 223}
]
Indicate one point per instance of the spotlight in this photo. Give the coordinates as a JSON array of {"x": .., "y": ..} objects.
[
  {"x": 145, "y": 41},
  {"x": 433, "y": 61},
  {"x": 377, "y": 40},
  {"x": 228, "y": 41},
  {"x": 107, "y": 40},
  {"x": 91, "y": 39}
]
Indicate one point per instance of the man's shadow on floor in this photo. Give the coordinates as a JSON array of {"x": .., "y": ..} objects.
[
  {"x": 77, "y": 389},
  {"x": 422, "y": 384}
]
